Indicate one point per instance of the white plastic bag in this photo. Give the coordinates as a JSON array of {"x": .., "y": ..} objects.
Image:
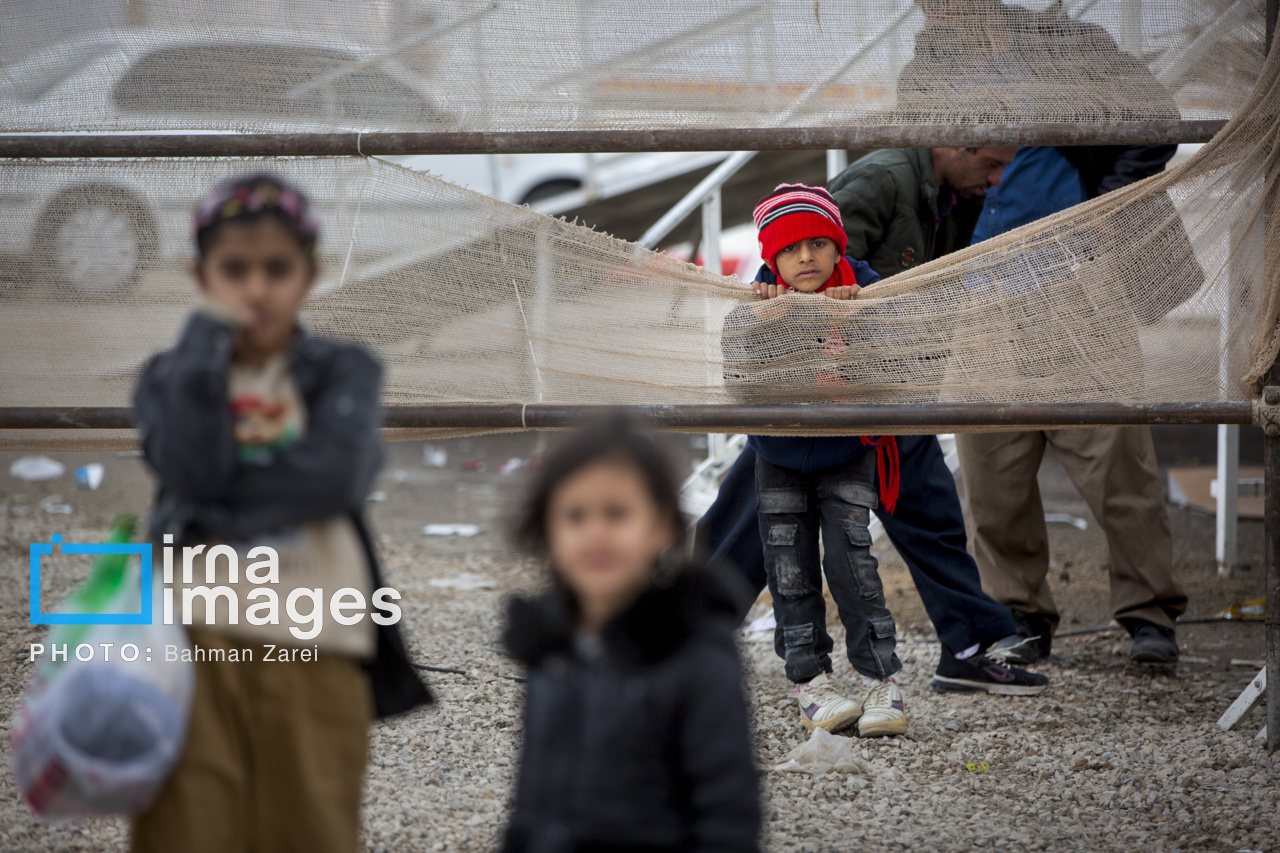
[
  {"x": 824, "y": 752},
  {"x": 101, "y": 736}
]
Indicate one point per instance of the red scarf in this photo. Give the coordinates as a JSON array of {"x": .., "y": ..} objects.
[
  {"x": 887, "y": 462},
  {"x": 887, "y": 468}
]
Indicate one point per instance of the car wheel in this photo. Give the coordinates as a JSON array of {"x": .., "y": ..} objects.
[
  {"x": 95, "y": 241},
  {"x": 550, "y": 189}
]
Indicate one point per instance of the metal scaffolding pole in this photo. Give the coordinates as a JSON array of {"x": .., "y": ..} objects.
[
  {"x": 1271, "y": 469},
  {"x": 596, "y": 141},
  {"x": 724, "y": 417}
]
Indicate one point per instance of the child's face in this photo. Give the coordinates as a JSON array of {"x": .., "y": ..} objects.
[
  {"x": 258, "y": 270},
  {"x": 606, "y": 533},
  {"x": 807, "y": 265}
]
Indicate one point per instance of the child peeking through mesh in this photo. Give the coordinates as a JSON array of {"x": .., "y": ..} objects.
[{"x": 825, "y": 485}]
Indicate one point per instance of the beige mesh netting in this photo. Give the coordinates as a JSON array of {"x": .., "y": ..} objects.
[
  {"x": 1168, "y": 290},
  {"x": 520, "y": 65}
]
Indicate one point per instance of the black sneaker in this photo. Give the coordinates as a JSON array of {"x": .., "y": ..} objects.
[
  {"x": 983, "y": 673},
  {"x": 1153, "y": 643},
  {"x": 1031, "y": 642}
]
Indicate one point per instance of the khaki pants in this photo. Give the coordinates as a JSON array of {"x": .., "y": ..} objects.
[
  {"x": 274, "y": 758},
  {"x": 1114, "y": 469}
]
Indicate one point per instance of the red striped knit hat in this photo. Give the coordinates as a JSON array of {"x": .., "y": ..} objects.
[{"x": 795, "y": 212}]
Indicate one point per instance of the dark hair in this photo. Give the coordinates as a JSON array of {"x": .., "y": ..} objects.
[
  {"x": 612, "y": 438},
  {"x": 249, "y": 199}
]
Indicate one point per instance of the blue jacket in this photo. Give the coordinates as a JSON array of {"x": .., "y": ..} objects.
[
  {"x": 811, "y": 453},
  {"x": 1039, "y": 182},
  {"x": 1042, "y": 181}
]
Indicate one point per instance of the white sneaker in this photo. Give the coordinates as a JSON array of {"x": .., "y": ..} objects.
[
  {"x": 883, "y": 712},
  {"x": 822, "y": 706}
]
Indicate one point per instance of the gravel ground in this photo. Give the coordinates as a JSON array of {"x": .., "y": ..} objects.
[{"x": 1110, "y": 758}]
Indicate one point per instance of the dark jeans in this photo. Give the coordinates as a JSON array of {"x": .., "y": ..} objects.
[
  {"x": 836, "y": 502},
  {"x": 927, "y": 528}
]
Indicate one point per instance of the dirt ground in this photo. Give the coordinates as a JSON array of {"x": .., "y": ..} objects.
[{"x": 1110, "y": 757}]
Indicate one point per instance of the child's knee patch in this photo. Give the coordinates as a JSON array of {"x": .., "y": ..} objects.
[
  {"x": 782, "y": 500},
  {"x": 856, "y": 494},
  {"x": 782, "y": 534},
  {"x": 789, "y": 575}
]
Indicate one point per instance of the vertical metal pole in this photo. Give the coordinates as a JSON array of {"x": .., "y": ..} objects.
[
  {"x": 1131, "y": 31},
  {"x": 711, "y": 222},
  {"x": 1271, "y": 465},
  {"x": 837, "y": 162},
  {"x": 1271, "y": 579},
  {"x": 711, "y": 233},
  {"x": 1270, "y": 13},
  {"x": 1228, "y": 497}
]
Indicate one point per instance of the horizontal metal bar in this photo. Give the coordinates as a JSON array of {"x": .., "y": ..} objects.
[
  {"x": 572, "y": 141},
  {"x": 740, "y": 418}
]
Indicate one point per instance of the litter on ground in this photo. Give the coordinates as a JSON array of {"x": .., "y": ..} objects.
[
  {"x": 90, "y": 476},
  {"x": 466, "y": 580},
  {"x": 54, "y": 505},
  {"x": 34, "y": 468},
  {"x": 451, "y": 529},
  {"x": 824, "y": 752},
  {"x": 1247, "y": 610}
]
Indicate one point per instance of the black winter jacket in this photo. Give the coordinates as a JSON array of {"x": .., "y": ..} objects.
[
  {"x": 1104, "y": 168},
  {"x": 644, "y": 745},
  {"x": 205, "y": 491}
]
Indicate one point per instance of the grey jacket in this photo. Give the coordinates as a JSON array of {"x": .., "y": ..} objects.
[{"x": 181, "y": 404}]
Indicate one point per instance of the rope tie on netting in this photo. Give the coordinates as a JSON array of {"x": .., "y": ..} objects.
[
  {"x": 355, "y": 225},
  {"x": 533, "y": 356}
]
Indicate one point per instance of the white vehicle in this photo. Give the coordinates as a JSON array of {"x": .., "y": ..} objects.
[
  {"x": 100, "y": 226},
  {"x": 97, "y": 230},
  {"x": 554, "y": 183}
]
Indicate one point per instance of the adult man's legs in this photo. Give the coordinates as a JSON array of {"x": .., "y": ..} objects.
[
  {"x": 1115, "y": 471},
  {"x": 927, "y": 528},
  {"x": 1010, "y": 540}
]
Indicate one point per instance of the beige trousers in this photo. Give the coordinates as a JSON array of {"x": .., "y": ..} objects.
[
  {"x": 274, "y": 758},
  {"x": 1114, "y": 469}
]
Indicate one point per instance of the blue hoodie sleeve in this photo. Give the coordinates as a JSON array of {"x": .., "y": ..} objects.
[{"x": 862, "y": 272}]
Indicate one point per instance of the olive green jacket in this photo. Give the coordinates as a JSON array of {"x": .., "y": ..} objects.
[{"x": 889, "y": 205}]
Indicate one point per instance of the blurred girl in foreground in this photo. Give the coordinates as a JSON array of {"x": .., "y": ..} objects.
[{"x": 636, "y": 733}]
